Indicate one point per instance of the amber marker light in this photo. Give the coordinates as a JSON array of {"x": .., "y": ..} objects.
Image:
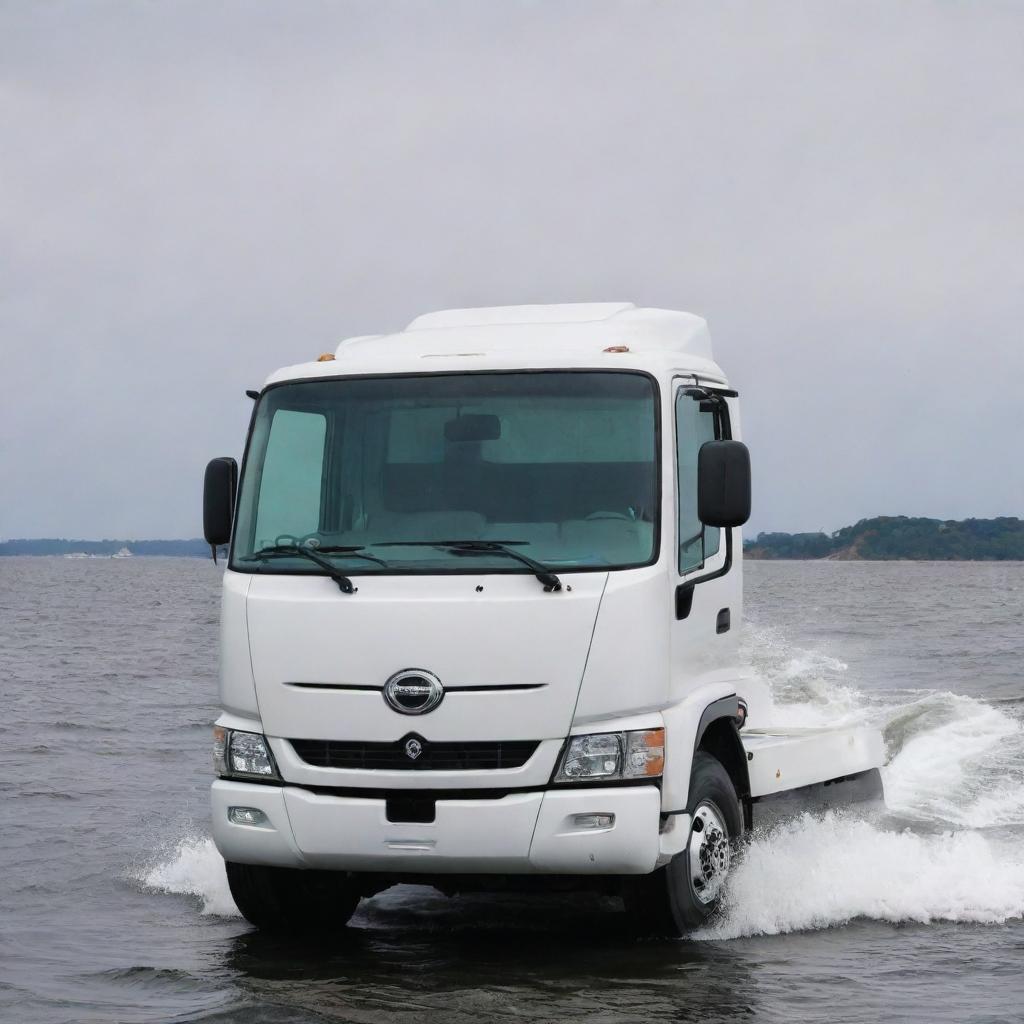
[
  {"x": 220, "y": 744},
  {"x": 645, "y": 753},
  {"x": 325, "y": 357}
]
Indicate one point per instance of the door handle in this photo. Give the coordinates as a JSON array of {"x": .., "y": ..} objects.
[{"x": 684, "y": 592}]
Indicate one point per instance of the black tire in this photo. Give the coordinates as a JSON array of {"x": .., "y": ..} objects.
[
  {"x": 286, "y": 899},
  {"x": 668, "y": 901}
]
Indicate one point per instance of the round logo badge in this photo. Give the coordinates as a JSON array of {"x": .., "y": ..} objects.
[{"x": 413, "y": 691}]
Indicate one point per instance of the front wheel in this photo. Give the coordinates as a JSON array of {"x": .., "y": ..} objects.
[
  {"x": 288, "y": 899},
  {"x": 685, "y": 893}
]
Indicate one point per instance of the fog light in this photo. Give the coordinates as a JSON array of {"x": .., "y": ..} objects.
[
  {"x": 246, "y": 816},
  {"x": 593, "y": 821}
]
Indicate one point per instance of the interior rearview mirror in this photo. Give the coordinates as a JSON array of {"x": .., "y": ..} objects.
[
  {"x": 723, "y": 483},
  {"x": 219, "y": 486},
  {"x": 473, "y": 427}
]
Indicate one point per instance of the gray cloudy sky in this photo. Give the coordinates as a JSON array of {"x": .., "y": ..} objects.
[{"x": 194, "y": 193}]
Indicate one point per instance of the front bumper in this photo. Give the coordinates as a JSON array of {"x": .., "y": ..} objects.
[{"x": 521, "y": 833}]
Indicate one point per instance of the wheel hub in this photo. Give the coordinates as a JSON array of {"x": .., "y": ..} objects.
[{"x": 708, "y": 852}]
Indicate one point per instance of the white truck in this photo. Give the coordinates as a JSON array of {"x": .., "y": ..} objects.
[{"x": 480, "y": 619}]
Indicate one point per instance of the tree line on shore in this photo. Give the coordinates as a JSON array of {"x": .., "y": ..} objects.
[{"x": 901, "y": 537}]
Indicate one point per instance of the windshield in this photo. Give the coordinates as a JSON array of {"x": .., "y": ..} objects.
[{"x": 561, "y": 465}]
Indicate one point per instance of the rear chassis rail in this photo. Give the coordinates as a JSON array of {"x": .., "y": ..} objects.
[{"x": 863, "y": 789}]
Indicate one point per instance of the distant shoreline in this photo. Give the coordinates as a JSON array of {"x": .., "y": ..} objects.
[
  {"x": 193, "y": 548},
  {"x": 899, "y": 539},
  {"x": 880, "y": 539}
]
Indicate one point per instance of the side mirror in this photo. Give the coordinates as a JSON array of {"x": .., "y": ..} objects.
[
  {"x": 723, "y": 483},
  {"x": 219, "y": 486}
]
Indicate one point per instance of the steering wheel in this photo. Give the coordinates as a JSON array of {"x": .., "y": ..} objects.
[
  {"x": 287, "y": 540},
  {"x": 609, "y": 515}
]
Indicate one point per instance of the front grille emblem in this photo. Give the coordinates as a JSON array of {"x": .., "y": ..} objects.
[
  {"x": 413, "y": 749},
  {"x": 413, "y": 691}
]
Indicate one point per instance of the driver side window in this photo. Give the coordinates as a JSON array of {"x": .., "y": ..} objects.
[
  {"x": 290, "y": 488},
  {"x": 696, "y": 422}
]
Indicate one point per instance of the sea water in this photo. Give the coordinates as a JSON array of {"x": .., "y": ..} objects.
[{"x": 115, "y": 906}]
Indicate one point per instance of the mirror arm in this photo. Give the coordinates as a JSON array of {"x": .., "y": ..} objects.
[
  {"x": 684, "y": 592},
  {"x": 718, "y": 397}
]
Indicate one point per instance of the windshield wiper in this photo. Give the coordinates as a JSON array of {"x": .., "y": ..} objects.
[
  {"x": 486, "y": 547},
  {"x": 344, "y": 583},
  {"x": 355, "y": 550}
]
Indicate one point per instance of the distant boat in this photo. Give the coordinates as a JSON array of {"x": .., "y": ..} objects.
[
  {"x": 123, "y": 553},
  {"x": 76, "y": 554}
]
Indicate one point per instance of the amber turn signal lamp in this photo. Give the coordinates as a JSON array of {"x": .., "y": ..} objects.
[{"x": 652, "y": 743}]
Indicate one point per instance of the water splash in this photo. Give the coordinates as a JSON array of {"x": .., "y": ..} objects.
[
  {"x": 819, "y": 872},
  {"x": 958, "y": 761},
  {"x": 803, "y": 688},
  {"x": 192, "y": 867}
]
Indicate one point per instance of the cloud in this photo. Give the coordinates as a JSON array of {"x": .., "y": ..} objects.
[{"x": 192, "y": 195}]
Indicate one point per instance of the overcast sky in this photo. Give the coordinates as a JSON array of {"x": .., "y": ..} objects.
[{"x": 193, "y": 194}]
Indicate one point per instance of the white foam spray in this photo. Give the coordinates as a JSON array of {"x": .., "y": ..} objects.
[
  {"x": 963, "y": 766},
  {"x": 818, "y": 872},
  {"x": 193, "y": 867}
]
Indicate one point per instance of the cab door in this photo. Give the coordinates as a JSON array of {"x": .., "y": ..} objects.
[{"x": 707, "y": 584}]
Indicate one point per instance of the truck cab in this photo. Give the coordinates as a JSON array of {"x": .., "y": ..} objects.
[{"x": 480, "y": 622}]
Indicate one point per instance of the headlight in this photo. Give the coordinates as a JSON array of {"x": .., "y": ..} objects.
[
  {"x": 613, "y": 755},
  {"x": 242, "y": 754}
]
